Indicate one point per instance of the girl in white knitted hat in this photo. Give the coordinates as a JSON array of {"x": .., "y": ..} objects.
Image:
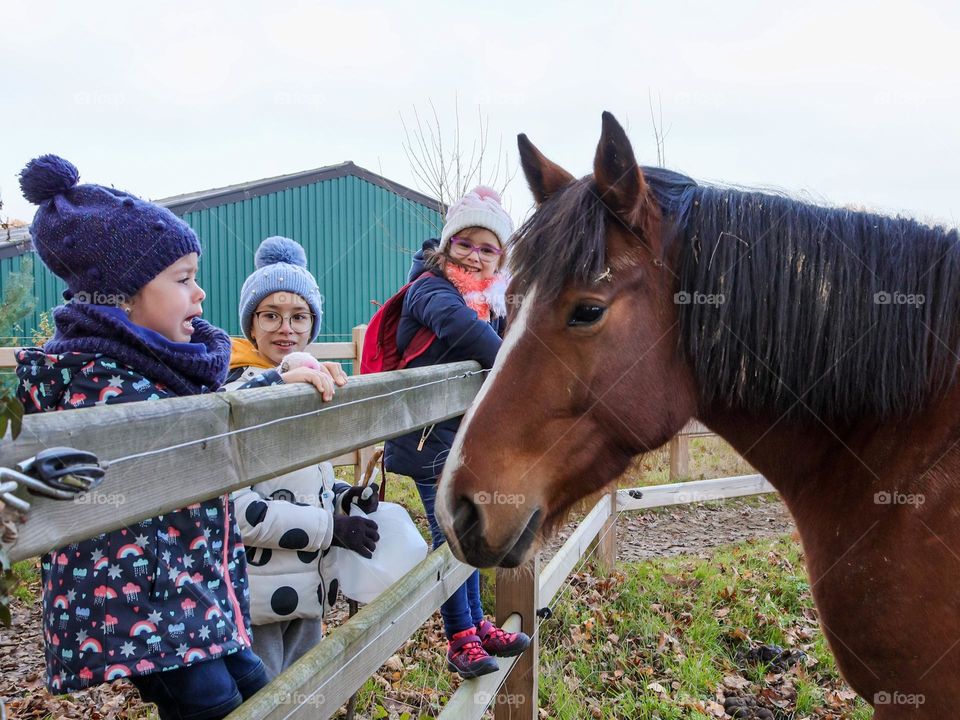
[{"x": 459, "y": 296}]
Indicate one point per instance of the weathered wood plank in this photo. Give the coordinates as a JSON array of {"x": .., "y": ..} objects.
[
  {"x": 555, "y": 573},
  {"x": 696, "y": 491},
  {"x": 473, "y": 697},
  {"x": 679, "y": 456},
  {"x": 518, "y": 591},
  {"x": 694, "y": 428},
  {"x": 605, "y": 544},
  {"x": 7, "y": 359},
  {"x": 366, "y": 411},
  {"x": 322, "y": 680},
  {"x": 331, "y": 350}
]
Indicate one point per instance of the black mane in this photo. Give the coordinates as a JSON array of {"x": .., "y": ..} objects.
[{"x": 785, "y": 306}]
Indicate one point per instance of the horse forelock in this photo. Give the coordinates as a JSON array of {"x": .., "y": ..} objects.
[{"x": 563, "y": 242}]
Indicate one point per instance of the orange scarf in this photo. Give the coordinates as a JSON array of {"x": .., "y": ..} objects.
[
  {"x": 473, "y": 289},
  {"x": 244, "y": 353}
]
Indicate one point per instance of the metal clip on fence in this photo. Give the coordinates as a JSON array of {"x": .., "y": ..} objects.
[{"x": 60, "y": 473}]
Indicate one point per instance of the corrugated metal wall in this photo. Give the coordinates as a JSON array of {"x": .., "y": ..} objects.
[
  {"x": 47, "y": 289},
  {"x": 359, "y": 238}
]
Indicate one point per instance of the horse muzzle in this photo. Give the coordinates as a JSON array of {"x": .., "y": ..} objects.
[{"x": 470, "y": 544}]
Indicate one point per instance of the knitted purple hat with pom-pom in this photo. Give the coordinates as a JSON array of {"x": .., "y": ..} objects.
[
  {"x": 281, "y": 266},
  {"x": 104, "y": 243}
]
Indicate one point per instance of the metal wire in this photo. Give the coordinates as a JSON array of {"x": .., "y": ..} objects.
[{"x": 199, "y": 441}]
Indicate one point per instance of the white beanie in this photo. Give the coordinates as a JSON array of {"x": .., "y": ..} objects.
[{"x": 478, "y": 208}]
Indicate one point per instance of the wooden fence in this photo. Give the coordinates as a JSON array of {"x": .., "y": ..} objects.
[
  {"x": 679, "y": 447},
  {"x": 350, "y": 351},
  {"x": 165, "y": 455}
]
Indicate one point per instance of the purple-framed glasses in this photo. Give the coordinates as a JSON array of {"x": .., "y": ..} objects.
[{"x": 465, "y": 248}]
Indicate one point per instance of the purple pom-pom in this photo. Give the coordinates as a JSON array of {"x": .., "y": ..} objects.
[
  {"x": 278, "y": 249},
  {"x": 47, "y": 176}
]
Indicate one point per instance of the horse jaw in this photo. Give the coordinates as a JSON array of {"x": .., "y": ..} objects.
[{"x": 454, "y": 466}]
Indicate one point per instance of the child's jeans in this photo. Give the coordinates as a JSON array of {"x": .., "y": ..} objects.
[
  {"x": 206, "y": 690},
  {"x": 462, "y": 610}
]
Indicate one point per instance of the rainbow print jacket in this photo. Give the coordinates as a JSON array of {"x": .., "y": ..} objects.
[{"x": 161, "y": 594}]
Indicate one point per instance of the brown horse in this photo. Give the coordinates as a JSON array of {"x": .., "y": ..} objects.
[{"x": 822, "y": 343}]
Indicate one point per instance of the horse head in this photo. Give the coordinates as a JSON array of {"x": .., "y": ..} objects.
[{"x": 591, "y": 370}]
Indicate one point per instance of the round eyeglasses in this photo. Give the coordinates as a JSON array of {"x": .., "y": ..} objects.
[
  {"x": 270, "y": 321},
  {"x": 463, "y": 248}
]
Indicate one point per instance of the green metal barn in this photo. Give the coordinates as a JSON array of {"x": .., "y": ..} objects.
[{"x": 359, "y": 231}]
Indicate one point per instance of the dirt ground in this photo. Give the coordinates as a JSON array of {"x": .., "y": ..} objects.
[
  {"x": 691, "y": 529},
  {"x": 681, "y": 530}
]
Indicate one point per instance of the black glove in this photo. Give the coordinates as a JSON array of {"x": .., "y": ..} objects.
[
  {"x": 367, "y": 499},
  {"x": 355, "y": 533}
]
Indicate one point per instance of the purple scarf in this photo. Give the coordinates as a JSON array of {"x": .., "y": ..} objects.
[{"x": 185, "y": 368}]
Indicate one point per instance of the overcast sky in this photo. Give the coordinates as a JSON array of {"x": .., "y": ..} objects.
[{"x": 855, "y": 103}]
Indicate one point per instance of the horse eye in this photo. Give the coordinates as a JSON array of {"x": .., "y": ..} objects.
[{"x": 583, "y": 315}]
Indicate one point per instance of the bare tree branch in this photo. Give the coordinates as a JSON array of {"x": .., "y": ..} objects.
[{"x": 441, "y": 162}]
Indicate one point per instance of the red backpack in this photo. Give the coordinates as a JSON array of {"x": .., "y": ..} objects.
[{"x": 380, "y": 352}]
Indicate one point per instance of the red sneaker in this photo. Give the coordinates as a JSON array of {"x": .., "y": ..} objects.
[
  {"x": 500, "y": 642},
  {"x": 467, "y": 656}
]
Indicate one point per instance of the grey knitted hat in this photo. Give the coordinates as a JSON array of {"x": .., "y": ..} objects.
[{"x": 281, "y": 264}]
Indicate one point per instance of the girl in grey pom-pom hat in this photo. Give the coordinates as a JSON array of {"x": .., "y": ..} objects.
[
  {"x": 281, "y": 310},
  {"x": 288, "y": 522},
  {"x": 281, "y": 266}
]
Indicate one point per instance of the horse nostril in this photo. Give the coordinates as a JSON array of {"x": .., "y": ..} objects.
[{"x": 466, "y": 519}]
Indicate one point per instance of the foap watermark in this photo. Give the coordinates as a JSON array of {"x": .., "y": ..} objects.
[
  {"x": 98, "y": 298},
  {"x": 698, "y": 298},
  {"x": 484, "y": 698},
  {"x": 686, "y": 498},
  {"x": 299, "y": 99},
  {"x": 299, "y": 699},
  {"x": 95, "y": 98},
  {"x": 98, "y": 498},
  {"x": 898, "y": 698},
  {"x": 498, "y": 498},
  {"x": 898, "y": 498},
  {"x": 898, "y": 298}
]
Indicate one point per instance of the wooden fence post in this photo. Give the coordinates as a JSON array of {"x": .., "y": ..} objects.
[
  {"x": 607, "y": 539},
  {"x": 359, "y": 333},
  {"x": 679, "y": 457},
  {"x": 518, "y": 591},
  {"x": 362, "y": 454}
]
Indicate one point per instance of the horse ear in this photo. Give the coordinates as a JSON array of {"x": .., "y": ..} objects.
[
  {"x": 543, "y": 177},
  {"x": 619, "y": 178}
]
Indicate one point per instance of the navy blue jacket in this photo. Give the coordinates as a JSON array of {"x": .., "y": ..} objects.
[{"x": 434, "y": 302}]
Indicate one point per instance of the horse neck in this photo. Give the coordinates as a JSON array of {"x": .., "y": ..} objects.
[
  {"x": 826, "y": 469},
  {"x": 787, "y": 455}
]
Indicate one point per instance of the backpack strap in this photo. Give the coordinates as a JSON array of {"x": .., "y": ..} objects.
[{"x": 422, "y": 339}]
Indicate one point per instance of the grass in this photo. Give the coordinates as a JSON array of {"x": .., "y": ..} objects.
[
  {"x": 710, "y": 457},
  {"x": 660, "y": 639},
  {"x": 656, "y": 639},
  {"x": 25, "y": 574}
]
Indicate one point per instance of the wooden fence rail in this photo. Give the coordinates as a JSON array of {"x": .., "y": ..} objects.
[
  {"x": 369, "y": 409},
  {"x": 679, "y": 447},
  {"x": 168, "y": 454}
]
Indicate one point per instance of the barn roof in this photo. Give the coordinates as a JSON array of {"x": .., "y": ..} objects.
[{"x": 19, "y": 239}]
